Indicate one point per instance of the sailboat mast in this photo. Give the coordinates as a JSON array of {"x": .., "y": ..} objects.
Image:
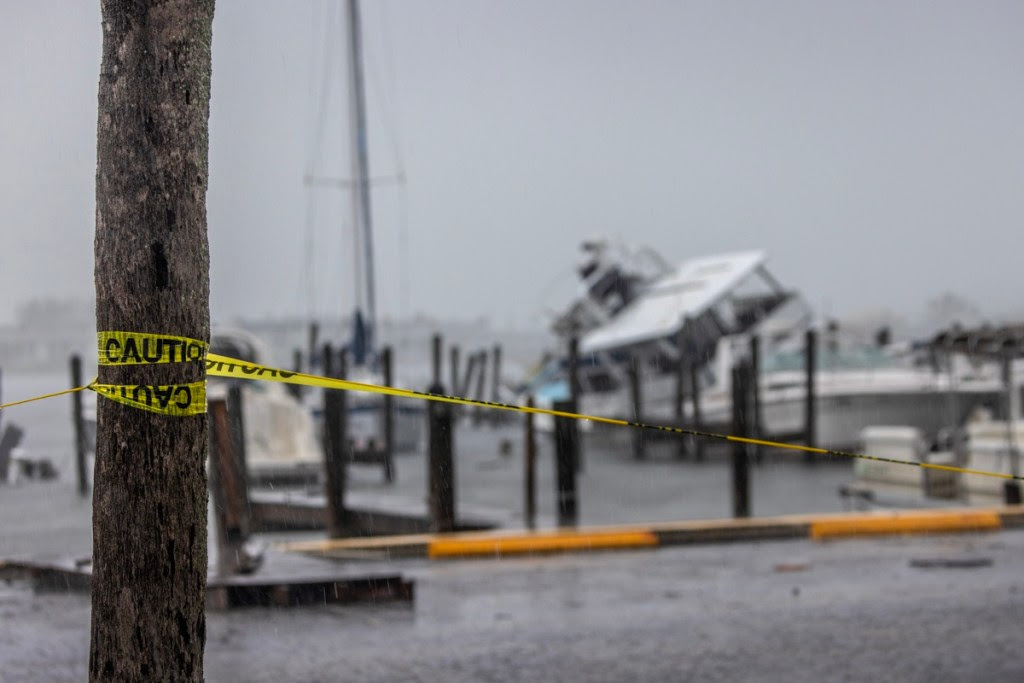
[{"x": 361, "y": 162}]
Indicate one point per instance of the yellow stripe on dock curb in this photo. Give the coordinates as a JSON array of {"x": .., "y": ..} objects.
[
  {"x": 905, "y": 523},
  {"x": 494, "y": 545},
  {"x": 510, "y": 543}
]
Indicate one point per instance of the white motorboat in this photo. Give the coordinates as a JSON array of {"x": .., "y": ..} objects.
[
  {"x": 982, "y": 445},
  {"x": 854, "y": 388},
  {"x": 984, "y": 442},
  {"x": 281, "y": 444}
]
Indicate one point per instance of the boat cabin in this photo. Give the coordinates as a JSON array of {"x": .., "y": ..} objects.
[{"x": 690, "y": 312}]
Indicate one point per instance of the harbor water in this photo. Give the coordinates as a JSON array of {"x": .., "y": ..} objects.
[{"x": 40, "y": 518}]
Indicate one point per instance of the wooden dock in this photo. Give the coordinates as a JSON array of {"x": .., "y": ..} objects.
[{"x": 287, "y": 580}]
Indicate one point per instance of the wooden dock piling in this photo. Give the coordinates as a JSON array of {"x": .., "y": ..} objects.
[
  {"x": 694, "y": 377},
  {"x": 810, "y": 399},
  {"x": 7, "y": 439},
  {"x": 741, "y": 405},
  {"x": 296, "y": 389},
  {"x": 78, "y": 427},
  {"x": 574, "y": 399},
  {"x": 388, "y": 418},
  {"x": 1011, "y": 401},
  {"x": 636, "y": 399},
  {"x": 440, "y": 455},
  {"x": 566, "y": 443},
  {"x": 496, "y": 415},
  {"x": 313, "y": 340},
  {"x": 238, "y": 462},
  {"x": 229, "y": 487},
  {"x": 453, "y": 370},
  {"x": 436, "y": 344},
  {"x": 755, "y": 424},
  {"x": 481, "y": 380},
  {"x": 682, "y": 370},
  {"x": 335, "y": 444},
  {"x": 530, "y": 474},
  {"x": 442, "y": 465},
  {"x": 467, "y": 380}
]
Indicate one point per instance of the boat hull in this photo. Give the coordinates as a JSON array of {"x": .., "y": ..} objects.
[{"x": 843, "y": 407}]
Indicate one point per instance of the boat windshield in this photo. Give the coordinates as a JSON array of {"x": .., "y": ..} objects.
[{"x": 856, "y": 358}]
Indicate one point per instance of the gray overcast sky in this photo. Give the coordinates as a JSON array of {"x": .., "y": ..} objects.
[{"x": 874, "y": 149}]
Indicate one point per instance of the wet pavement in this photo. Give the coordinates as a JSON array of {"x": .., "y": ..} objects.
[{"x": 782, "y": 611}]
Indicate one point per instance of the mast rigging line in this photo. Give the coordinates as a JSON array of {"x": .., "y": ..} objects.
[{"x": 363, "y": 223}]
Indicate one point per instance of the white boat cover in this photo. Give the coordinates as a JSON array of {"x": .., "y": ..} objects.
[{"x": 687, "y": 291}]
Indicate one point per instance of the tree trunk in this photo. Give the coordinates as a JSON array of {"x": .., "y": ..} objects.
[{"x": 152, "y": 276}]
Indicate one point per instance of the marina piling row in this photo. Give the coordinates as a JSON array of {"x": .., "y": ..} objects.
[{"x": 746, "y": 422}]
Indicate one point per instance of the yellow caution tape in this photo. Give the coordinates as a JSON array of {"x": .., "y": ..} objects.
[
  {"x": 140, "y": 348},
  {"x": 165, "y": 399},
  {"x": 40, "y": 398},
  {"x": 222, "y": 366},
  {"x": 124, "y": 348}
]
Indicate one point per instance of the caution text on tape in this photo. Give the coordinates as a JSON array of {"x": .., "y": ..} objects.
[
  {"x": 139, "y": 348},
  {"x": 165, "y": 399}
]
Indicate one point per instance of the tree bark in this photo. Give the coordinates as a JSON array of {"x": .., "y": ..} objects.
[{"x": 152, "y": 275}]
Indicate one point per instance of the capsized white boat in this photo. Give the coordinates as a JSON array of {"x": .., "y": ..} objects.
[
  {"x": 722, "y": 302},
  {"x": 628, "y": 313}
]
